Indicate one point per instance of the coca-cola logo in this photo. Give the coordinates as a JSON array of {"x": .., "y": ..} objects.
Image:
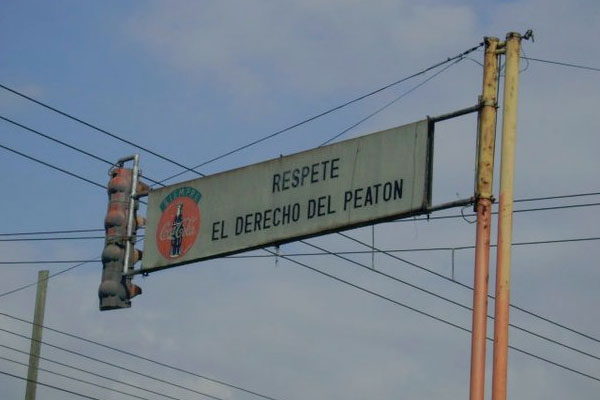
[
  {"x": 189, "y": 229},
  {"x": 179, "y": 224}
]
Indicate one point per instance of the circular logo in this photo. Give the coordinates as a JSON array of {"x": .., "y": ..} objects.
[{"x": 178, "y": 227}]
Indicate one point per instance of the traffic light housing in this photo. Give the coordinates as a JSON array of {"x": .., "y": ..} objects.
[{"x": 120, "y": 224}]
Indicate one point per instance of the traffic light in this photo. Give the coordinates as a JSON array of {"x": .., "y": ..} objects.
[{"x": 121, "y": 222}]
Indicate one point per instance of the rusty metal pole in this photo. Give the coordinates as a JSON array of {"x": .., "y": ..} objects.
[
  {"x": 483, "y": 193},
  {"x": 509, "y": 133}
]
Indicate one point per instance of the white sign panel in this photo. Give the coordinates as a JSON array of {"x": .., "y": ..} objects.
[{"x": 377, "y": 177}]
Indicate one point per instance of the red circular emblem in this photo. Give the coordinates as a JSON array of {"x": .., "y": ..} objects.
[{"x": 178, "y": 227}]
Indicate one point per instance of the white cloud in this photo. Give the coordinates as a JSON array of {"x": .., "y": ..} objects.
[{"x": 300, "y": 47}]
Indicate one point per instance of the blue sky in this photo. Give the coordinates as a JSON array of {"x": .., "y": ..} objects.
[{"x": 192, "y": 80}]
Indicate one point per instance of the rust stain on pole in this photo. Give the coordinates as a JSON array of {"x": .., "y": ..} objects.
[
  {"x": 503, "y": 263},
  {"x": 485, "y": 173}
]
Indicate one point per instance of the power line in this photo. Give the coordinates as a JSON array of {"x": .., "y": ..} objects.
[
  {"x": 51, "y": 276},
  {"x": 556, "y": 207},
  {"x": 416, "y": 219},
  {"x": 563, "y": 196},
  {"x": 471, "y": 288},
  {"x": 91, "y": 373},
  {"x": 456, "y": 303},
  {"x": 128, "y": 353},
  {"x": 381, "y": 296},
  {"x": 350, "y": 252},
  {"x": 52, "y": 232},
  {"x": 95, "y": 157},
  {"x": 111, "y": 364},
  {"x": 47, "y": 262},
  {"x": 36, "y": 282},
  {"x": 52, "y": 238},
  {"x": 75, "y": 379},
  {"x": 72, "y": 231},
  {"x": 64, "y": 171},
  {"x": 50, "y": 386},
  {"x": 96, "y": 184},
  {"x": 524, "y": 210},
  {"x": 400, "y": 220},
  {"x": 387, "y": 105},
  {"x": 564, "y": 64},
  {"x": 329, "y": 111},
  {"x": 549, "y": 361},
  {"x": 413, "y": 250},
  {"x": 439, "y": 319},
  {"x": 193, "y": 169},
  {"x": 72, "y": 174},
  {"x": 96, "y": 128}
]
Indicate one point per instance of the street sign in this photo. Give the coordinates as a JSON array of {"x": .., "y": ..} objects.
[{"x": 372, "y": 178}]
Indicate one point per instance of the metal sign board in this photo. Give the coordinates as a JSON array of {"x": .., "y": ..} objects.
[{"x": 372, "y": 178}]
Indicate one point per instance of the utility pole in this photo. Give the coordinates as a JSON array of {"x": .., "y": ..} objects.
[
  {"x": 36, "y": 335},
  {"x": 509, "y": 130},
  {"x": 483, "y": 194}
]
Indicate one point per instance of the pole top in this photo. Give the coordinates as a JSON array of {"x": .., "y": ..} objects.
[{"x": 528, "y": 35}]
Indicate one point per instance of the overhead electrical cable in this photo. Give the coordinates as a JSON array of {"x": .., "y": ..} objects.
[
  {"x": 47, "y": 262},
  {"x": 364, "y": 119},
  {"x": 563, "y": 196},
  {"x": 439, "y": 319},
  {"x": 193, "y": 169},
  {"x": 412, "y": 250},
  {"x": 154, "y": 378},
  {"x": 109, "y": 162},
  {"x": 87, "y": 372},
  {"x": 524, "y": 210},
  {"x": 72, "y": 231},
  {"x": 64, "y": 171},
  {"x": 91, "y": 373},
  {"x": 329, "y": 111},
  {"x": 456, "y": 303},
  {"x": 401, "y": 220},
  {"x": 52, "y": 232},
  {"x": 139, "y": 357},
  {"x": 96, "y": 128},
  {"x": 49, "y": 277},
  {"x": 75, "y": 379},
  {"x": 50, "y": 386},
  {"x": 547, "y": 208},
  {"x": 95, "y": 157},
  {"x": 323, "y": 253},
  {"x": 471, "y": 288},
  {"x": 60, "y": 238},
  {"x": 52, "y": 276},
  {"x": 404, "y": 250},
  {"x": 564, "y": 64},
  {"x": 390, "y": 103}
]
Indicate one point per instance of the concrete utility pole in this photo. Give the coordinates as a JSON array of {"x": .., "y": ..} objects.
[
  {"x": 483, "y": 193},
  {"x": 36, "y": 335},
  {"x": 505, "y": 214}
]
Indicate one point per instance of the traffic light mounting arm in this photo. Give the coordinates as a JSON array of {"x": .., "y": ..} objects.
[{"x": 128, "y": 265}]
